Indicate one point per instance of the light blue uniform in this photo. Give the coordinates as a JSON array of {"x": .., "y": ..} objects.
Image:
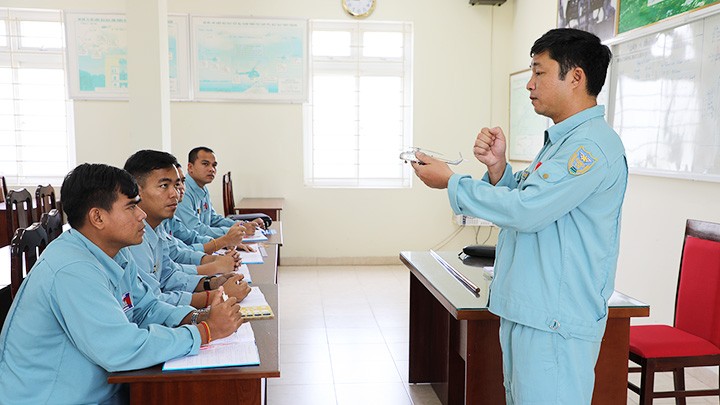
[
  {"x": 79, "y": 315},
  {"x": 197, "y": 213},
  {"x": 179, "y": 251},
  {"x": 169, "y": 280},
  {"x": 175, "y": 227},
  {"x": 560, "y": 218}
]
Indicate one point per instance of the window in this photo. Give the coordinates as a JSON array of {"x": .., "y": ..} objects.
[
  {"x": 359, "y": 115},
  {"x": 36, "y": 133}
]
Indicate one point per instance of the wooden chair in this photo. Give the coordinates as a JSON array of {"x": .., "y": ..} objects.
[
  {"x": 52, "y": 223},
  {"x": 26, "y": 246},
  {"x": 18, "y": 211},
  {"x": 45, "y": 201},
  {"x": 3, "y": 189},
  {"x": 231, "y": 211},
  {"x": 694, "y": 340},
  {"x": 228, "y": 198}
]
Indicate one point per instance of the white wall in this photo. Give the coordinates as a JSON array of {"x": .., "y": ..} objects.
[
  {"x": 463, "y": 56},
  {"x": 262, "y": 143}
]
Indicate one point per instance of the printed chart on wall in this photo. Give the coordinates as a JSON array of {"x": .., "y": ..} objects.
[
  {"x": 250, "y": 59},
  {"x": 639, "y": 13},
  {"x": 667, "y": 100},
  {"x": 526, "y": 126},
  {"x": 98, "y": 56}
]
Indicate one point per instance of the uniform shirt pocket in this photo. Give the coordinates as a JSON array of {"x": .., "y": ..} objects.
[{"x": 553, "y": 171}]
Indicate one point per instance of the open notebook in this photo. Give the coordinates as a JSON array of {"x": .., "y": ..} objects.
[{"x": 238, "y": 349}]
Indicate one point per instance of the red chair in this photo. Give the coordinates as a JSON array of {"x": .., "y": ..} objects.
[
  {"x": 694, "y": 340},
  {"x": 27, "y": 244}
]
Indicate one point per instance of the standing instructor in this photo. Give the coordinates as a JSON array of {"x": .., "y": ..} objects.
[{"x": 560, "y": 218}]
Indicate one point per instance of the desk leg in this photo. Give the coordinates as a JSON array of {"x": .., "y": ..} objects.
[
  {"x": 429, "y": 344},
  {"x": 611, "y": 370},
  {"x": 236, "y": 392},
  {"x": 482, "y": 368}
]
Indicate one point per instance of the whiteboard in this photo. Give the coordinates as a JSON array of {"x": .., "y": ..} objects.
[
  {"x": 666, "y": 100},
  {"x": 526, "y": 134}
]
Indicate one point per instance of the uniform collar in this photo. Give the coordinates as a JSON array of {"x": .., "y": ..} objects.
[
  {"x": 192, "y": 185},
  {"x": 114, "y": 266},
  {"x": 151, "y": 237},
  {"x": 565, "y": 127}
]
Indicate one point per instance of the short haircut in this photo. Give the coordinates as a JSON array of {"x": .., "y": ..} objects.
[
  {"x": 143, "y": 162},
  {"x": 573, "y": 48},
  {"x": 93, "y": 186},
  {"x": 193, "y": 155}
]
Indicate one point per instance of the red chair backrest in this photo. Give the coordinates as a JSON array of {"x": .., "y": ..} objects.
[{"x": 697, "y": 309}]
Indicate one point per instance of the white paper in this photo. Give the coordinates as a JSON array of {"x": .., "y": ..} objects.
[
  {"x": 252, "y": 257},
  {"x": 238, "y": 349},
  {"x": 243, "y": 269},
  {"x": 259, "y": 236}
]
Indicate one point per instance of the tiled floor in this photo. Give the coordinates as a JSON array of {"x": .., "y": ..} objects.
[{"x": 344, "y": 340}]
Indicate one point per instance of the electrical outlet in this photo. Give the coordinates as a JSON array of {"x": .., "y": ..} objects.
[{"x": 464, "y": 220}]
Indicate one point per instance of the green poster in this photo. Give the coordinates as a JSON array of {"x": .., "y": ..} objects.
[{"x": 639, "y": 13}]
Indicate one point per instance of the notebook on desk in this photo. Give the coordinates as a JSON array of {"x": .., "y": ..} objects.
[
  {"x": 255, "y": 306},
  {"x": 238, "y": 349}
]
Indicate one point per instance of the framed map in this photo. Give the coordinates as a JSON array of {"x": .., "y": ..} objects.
[
  {"x": 97, "y": 56},
  {"x": 526, "y": 126},
  {"x": 639, "y": 13},
  {"x": 249, "y": 59}
]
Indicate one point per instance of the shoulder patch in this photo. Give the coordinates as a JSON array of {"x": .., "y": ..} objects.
[{"x": 580, "y": 162}]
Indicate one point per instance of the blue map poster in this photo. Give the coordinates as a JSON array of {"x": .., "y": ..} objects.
[
  {"x": 98, "y": 45},
  {"x": 97, "y": 56},
  {"x": 250, "y": 59}
]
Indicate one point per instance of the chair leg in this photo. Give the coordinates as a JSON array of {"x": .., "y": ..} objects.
[
  {"x": 647, "y": 383},
  {"x": 679, "y": 380}
]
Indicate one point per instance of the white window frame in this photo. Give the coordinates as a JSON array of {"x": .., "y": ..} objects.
[
  {"x": 360, "y": 66},
  {"x": 16, "y": 57}
]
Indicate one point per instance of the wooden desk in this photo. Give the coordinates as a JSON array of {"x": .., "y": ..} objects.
[
  {"x": 277, "y": 237},
  {"x": 454, "y": 342},
  {"x": 228, "y": 385},
  {"x": 265, "y": 273},
  {"x": 269, "y": 206}
]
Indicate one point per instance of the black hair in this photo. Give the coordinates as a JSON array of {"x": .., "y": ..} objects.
[
  {"x": 93, "y": 186},
  {"x": 572, "y": 48},
  {"x": 193, "y": 155},
  {"x": 142, "y": 162}
]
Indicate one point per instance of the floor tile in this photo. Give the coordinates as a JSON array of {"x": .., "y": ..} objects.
[
  {"x": 317, "y": 394},
  {"x": 303, "y": 374},
  {"x": 375, "y": 394}
]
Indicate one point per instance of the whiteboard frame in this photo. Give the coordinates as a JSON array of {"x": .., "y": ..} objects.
[{"x": 660, "y": 26}]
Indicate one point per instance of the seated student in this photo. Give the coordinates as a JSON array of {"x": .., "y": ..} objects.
[
  {"x": 199, "y": 245},
  {"x": 157, "y": 180},
  {"x": 83, "y": 312},
  {"x": 196, "y": 210}
]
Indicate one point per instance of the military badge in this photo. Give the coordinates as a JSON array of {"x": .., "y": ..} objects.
[{"x": 580, "y": 162}]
